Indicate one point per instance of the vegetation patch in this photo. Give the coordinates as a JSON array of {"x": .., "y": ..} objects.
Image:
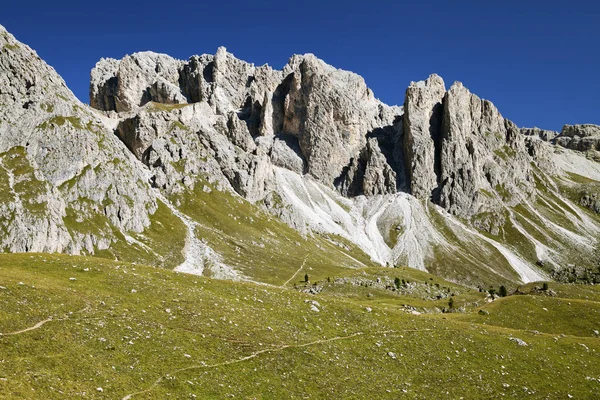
[
  {"x": 30, "y": 190},
  {"x": 157, "y": 107},
  {"x": 395, "y": 231},
  {"x": 111, "y": 329},
  {"x": 60, "y": 120},
  {"x": 461, "y": 259},
  {"x": 10, "y": 46},
  {"x": 547, "y": 314},
  {"x": 506, "y": 153}
]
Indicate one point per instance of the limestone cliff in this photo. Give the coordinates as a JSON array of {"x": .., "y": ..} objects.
[
  {"x": 444, "y": 183},
  {"x": 60, "y": 167}
]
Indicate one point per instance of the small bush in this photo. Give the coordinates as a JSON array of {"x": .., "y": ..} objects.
[{"x": 502, "y": 291}]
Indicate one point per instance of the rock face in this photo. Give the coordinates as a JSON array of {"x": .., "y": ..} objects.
[
  {"x": 134, "y": 81},
  {"x": 580, "y": 137},
  {"x": 309, "y": 117},
  {"x": 543, "y": 134},
  {"x": 222, "y": 116},
  {"x": 59, "y": 166},
  {"x": 310, "y": 143},
  {"x": 584, "y": 137},
  {"x": 423, "y": 116},
  {"x": 478, "y": 149},
  {"x": 461, "y": 152}
]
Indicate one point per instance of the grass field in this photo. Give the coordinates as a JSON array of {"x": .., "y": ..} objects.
[{"x": 75, "y": 327}]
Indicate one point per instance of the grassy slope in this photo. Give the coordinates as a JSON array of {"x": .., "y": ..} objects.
[
  {"x": 104, "y": 334},
  {"x": 261, "y": 246},
  {"x": 463, "y": 262},
  {"x": 164, "y": 242}
]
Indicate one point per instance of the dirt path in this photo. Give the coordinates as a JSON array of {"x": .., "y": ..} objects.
[
  {"x": 42, "y": 323},
  {"x": 271, "y": 350},
  {"x": 296, "y": 273},
  {"x": 31, "y": 328}
]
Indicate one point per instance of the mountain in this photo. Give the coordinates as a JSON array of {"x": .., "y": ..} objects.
[
  {"x": 212, "y": 229},
  {"x": 216, "y": 166}
]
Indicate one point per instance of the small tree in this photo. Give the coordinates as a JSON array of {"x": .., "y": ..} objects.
[
  {"x": 502, "y": 291},
  {"x": 492, "y": 292},
  {"x": 305, "y": 278},
  {"x": 397, "y": 282},
  {"x": 545, "y": 286},
  {"x": 451, "y": 303}
]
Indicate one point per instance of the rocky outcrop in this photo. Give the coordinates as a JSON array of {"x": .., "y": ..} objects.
[
  {"x": 543, "y": 134},
  {"x": 447, "y": 146},
  {"x": 317, "y": 118},
  {"x": 134, "y": 81},
  {"x": 584, "y": 137},
  {"x": 591, "y": 200},
  {"x": 423, "y": 115},
  {"x": 330, "y": 112},
  {"x": 477, "y": 148},
  {"x": 77, "y": 180},
  {"x": 461, "y": 153},
  {"x": 60, "y": 168}
]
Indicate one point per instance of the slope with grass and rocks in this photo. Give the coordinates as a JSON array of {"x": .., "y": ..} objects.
[
  {"x": 211, "y": 229},
  {"x": 219, "y": 167},
  {"x": 82, "y": 326}
]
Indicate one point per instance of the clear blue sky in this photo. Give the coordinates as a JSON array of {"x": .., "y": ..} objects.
[{"x": 538, "y": 61}]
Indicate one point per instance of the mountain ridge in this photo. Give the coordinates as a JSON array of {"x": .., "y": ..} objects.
[{"x": 310, "y": 145}]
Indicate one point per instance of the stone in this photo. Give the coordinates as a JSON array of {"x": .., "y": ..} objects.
[
  {"x": 518, "y": 341},
  {"x": 286, "y": 153}
]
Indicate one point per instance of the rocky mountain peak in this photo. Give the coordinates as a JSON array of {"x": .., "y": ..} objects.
[
  {"x": 309, "y": 143},
  {"x": 59, "y": 164},
  {"x": 324, "y": 113}
]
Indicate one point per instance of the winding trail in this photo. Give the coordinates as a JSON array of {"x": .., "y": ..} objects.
[
  {"x": 31, "y": 328},
  {"x": 271, "y": 350},
  {"x": 42, "y": 323},
  {"x": 296, "y": 273}
]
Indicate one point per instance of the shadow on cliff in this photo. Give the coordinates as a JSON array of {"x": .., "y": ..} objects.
[{"x": 390, "y": 142}]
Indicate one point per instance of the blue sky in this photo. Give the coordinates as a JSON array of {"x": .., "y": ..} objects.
[{"x": 538, "y": 61}]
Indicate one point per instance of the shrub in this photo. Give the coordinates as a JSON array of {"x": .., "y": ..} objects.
[
  {"x": 306, "y": 278},
  {"x": 502, "y": 291},
  {"x": 397, "y": 282},
  {"x": 545, "y": 286}
]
